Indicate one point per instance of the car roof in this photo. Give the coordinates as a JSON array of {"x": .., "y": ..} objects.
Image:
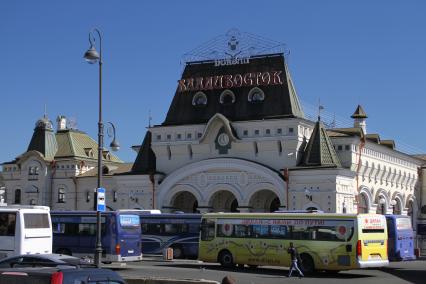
[
  {"x": 94, "y": 273},
  {"x": 53, "y": 257}
]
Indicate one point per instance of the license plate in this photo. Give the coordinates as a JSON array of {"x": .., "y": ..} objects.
[
  {"x": 131, "y": 251},
  {"x": 375, "y": 256}
]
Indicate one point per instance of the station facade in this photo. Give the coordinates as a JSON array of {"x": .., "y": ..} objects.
[{"x": 235, "y": 139}]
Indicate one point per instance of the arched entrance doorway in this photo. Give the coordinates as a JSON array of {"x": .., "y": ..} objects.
[
  {"x": 264, "y": 201},
  {"x": 223, "y": 201},
  {"x": 184, "y": 201}
]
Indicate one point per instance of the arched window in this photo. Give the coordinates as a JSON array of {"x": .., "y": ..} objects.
[
  {"x": 256, "y": 95},
  {"x": 61, "y": 195},
  {"x": 105, "y": 170},
  {"x": 17, "y": 196},
  {"x": 199, "y": 99},
  {"x": 227, "y": 97}
]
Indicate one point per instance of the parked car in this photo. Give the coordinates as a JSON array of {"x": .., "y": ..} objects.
[
  {"x": 59, "y": 275},
  {"x": 29, "y": 260}
]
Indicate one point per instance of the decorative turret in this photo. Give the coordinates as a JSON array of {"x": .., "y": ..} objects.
[
  {"x": 320, "y": 151},
  {"x": 62, "y": 122},
  {"x": 359, "y": 117},
  {"x": 43, "y": 139}
]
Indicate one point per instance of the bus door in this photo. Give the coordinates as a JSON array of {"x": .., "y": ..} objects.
[
  {"x": 7, "y": 233},
  {"x": 207, "y": 236},
  {"x": 128, "y": 235}
]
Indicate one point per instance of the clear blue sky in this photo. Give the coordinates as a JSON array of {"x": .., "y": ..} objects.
[{"x": 343, "y": 52}]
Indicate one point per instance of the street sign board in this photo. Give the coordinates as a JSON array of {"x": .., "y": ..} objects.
[{"x": 100, "y": 199}]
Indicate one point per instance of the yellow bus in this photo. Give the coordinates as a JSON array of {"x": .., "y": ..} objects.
[{"x": 324, "y": 241}]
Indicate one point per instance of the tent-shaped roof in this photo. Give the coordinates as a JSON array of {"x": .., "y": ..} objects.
[{"x": 320, "y": 150}]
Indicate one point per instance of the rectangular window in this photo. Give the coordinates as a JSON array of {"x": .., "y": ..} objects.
[
  {"x": 36, "y": 221},
  {"x": 279, "y": 131},
  {"x": 291, "y": 130},
  {"x": 339, "y": 148},
  {"x": 268, "y": 131},
  {"x": 189, "y": 136},
  {"x": 199, "y": 134},
  {"x": 256, "y": 132},
  {"x": 347, "y": 147},
  {"x": 179, "y": 136},
  {"x": 158, "y": 137},
  {"x": 245, "y": 132},
  {"x": 7, "y": 223},
  {"x": 169, "y": 137}
]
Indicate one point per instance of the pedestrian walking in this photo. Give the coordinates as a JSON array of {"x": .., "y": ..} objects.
[{"x": 294, "y": 260}]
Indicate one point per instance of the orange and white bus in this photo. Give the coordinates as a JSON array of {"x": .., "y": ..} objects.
[{"x": 325, "y": 241}]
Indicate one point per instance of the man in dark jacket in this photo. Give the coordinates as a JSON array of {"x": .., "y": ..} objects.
[{"x": 294, "y": 259}]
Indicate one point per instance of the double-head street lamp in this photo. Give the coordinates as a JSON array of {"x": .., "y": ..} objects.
[{"x": 92, "y": 56}]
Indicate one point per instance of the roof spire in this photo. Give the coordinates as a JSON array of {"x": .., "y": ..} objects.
[
  {"x": 149, "y": 118},
  {"x": 45, "y": 110},
  {"x": 320, "y": 108}
]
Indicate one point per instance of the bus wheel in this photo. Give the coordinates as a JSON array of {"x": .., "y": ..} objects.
[
  {"x": 63, "y": 251},
  {"x": 177, "y": 252},
  {"x": 307, "y": 264},
  {"x": 226, "y": 259}
]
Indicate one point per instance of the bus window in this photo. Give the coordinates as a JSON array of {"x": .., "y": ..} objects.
[
  {"x": 194, "y": 228},
  {"x": 36, "y": 221},
  {"x": 207, "y": 230},
  {"x": 260, "y": 231},
  {"x": 7, "y": 224},
  {"x": 279, "y": 232}
]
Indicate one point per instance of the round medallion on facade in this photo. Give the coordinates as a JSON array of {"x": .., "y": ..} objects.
[
  {"x": 202, "y": 179},
  {"x": 223, "y": 139},
  {"x": 243, "y": 179}
]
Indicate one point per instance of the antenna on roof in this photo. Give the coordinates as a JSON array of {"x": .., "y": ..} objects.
[
  {"x": 149, "y": 118},
  {"x": 45, "y": 110}
]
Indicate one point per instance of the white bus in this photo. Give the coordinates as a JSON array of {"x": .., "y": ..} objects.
[{"x": 25, "y": 230}]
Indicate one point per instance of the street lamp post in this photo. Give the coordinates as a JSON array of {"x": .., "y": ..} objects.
[
  {"x": 382, "y": 203},
  {"x": 92, "y": 57},
  {"x": 393, "y": 204}
]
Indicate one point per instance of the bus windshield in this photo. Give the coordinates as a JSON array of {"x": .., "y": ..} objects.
[
  {"x": 129, "y": 222},
  {"x": 403, "y": 223},
  {"x": 36, "y": 221}
]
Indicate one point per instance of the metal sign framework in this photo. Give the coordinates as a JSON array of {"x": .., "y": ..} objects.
[{"x": 236, "y": 46}]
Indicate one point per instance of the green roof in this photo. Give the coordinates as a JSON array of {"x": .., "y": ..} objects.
[
  {"x": 43, "y": 139},
  {"x": 320, "y": 150},
  {"x": 75, "y": 143}
]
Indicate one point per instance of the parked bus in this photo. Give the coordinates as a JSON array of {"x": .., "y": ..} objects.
[
  {"x": 400, "y": 238},
  {"x": 74, "y": 233},
  {"x": 179, "y": 231},
  {"x": 324, "y": 241},
  {"x": 25, "y": 230}
]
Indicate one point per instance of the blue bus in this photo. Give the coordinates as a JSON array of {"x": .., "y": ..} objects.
[
  {"x": 179, "y": 231},
  {"x": 400, "y": 238},
  {"x": 74, "y": 233}
]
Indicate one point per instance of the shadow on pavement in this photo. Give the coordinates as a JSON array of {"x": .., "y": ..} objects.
[
  {"x": 413, "y": 276},
  {"x": 268, "y": 271}
]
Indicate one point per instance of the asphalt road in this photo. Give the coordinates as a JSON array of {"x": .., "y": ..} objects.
[{"x": 397, "y": 272}]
